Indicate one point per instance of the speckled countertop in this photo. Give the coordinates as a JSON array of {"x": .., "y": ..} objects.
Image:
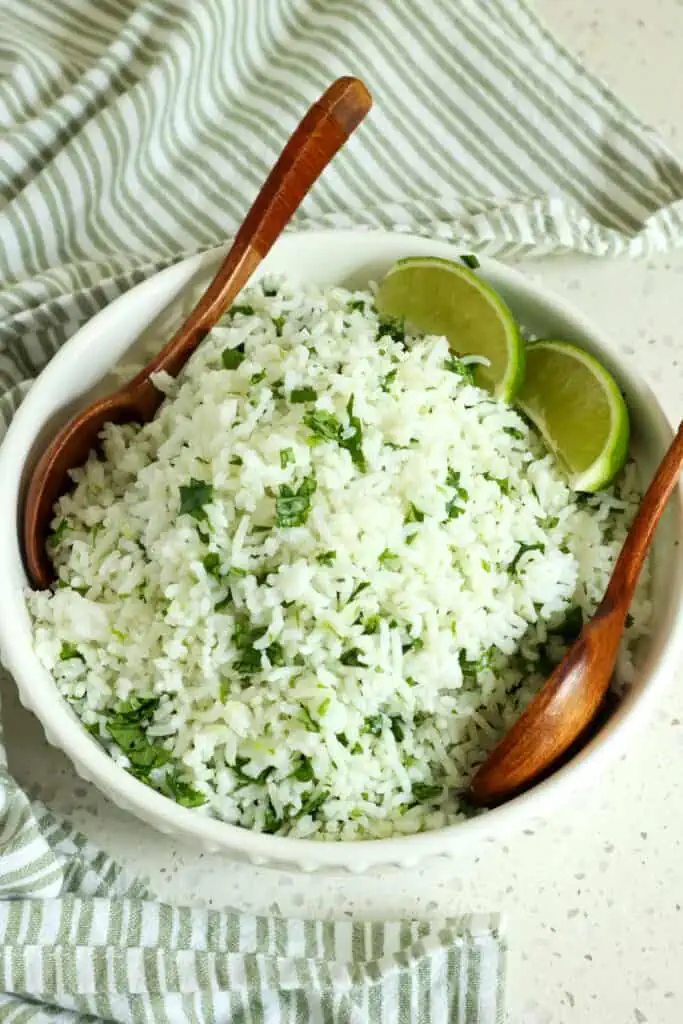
[{"x": 594, "y": 897}]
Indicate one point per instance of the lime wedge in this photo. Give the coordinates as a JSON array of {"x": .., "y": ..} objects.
[
  {"x": 438, "y": 296},
  {"x": 578, "y": 408}
]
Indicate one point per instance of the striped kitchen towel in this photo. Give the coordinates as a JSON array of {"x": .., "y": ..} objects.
[{"x": 134, "y": 132}]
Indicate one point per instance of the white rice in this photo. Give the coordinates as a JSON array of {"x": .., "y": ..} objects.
[{"x": 340, "y": 678}]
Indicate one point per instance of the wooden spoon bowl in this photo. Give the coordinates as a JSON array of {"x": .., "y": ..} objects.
[
  {"x": 572, "y": 696},
  {"x": 322, "y": 132}
]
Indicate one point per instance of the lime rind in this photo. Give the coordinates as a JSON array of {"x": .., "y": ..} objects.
[
  {"x": 615, "y": 448},
  {"x": 507, "y": 387}
]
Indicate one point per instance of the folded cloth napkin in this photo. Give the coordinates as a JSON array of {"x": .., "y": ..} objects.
[{"x": 133, "y": 132}]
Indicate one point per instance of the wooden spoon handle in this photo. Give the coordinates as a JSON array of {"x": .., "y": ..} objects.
[
  {"x": 636, "y": 546},
  {"x": 322, "y": 132}
]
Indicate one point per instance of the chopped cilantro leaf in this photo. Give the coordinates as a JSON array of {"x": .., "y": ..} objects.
[
  {"x": 304, "y": 772},
  {"x": 232, "y": 358},
  {"x": 312, "y": 804},
  {"x": 470, "y": 260},
  {"x": 193, "y": 497},
  {"x": 352, "y": 658},
  {"x": 425, "y": 793},
  {"x": 278, "y": 323},
  {"x": 271, "y": 822},
  {"x": 357, "y": 306},
  {"x": 456, "y": 365},
  {"x": 182, "y": 792},
  {"x": 514, "y": 432},
  {"x": 244, "y": 637},
  {"x": 354, "y": 441},
  {"x": 388, "y": 380},
  {"x": 394, "y": 328},
  {"x": 397, "y": 728},
  {"x": 292, "y": 506},
  {"x": 374, "y": 724},
  {"x": 523, "y": 550},
  {"x": 127, "y": 727},
  {"x": 256, "y": 378},
  {"x": 69, "y": 651},
  {"x": 224, "y": 603},
  {"x": 286, "y": 456},
  {"x": 358, "y": 590},
  {"x": 243, "y": 309},
  {"x": 414, "y": 514},
  {"x": 323, "y": 424},
  {"x": 387, "y": 556},
  {"x": 300, "y": 395},
  {"x": 58, "y": 533},
  {"x": 629, "y": 621},
  {"x": 326, "y": 558},
  {"x": 212, "y": 563},
  {"x": 309, "y": 721}
]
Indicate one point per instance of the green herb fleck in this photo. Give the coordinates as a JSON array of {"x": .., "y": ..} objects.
[
  {"x": 256, "y": 378},
  {"x": 324, "y": 425},
  {"x": 278, "y": 324},
  {"x": 523, "y": 550},
  {"x": 388, "y": 380},
  {"x": 470, "y": 260},
  {"x": 514, "y": 432},
  {"x": 326, "y": 558},
  {"x": 629, "y": 620},
  {"x": 236, "y": 460},
  {"x": 414, "y": 514},
  {"x": 354, "y": 441},
  {"x": 127, "y": 727},
  {"x": 58, "y": 533},
  {"x": 69, "y": 651},
  {"x": 425, "y": 793},
  {"x": 374, "y": 724},
  {"x": 356, "y": 306},
  {"x": 397, "y": 728},
  {"x": 232, "y": 358},
  {"x": 193, "y": 497},
  {"x": 387, "y": 556},
  {"x": 309, "y": 721},
  {"x": 304, "y": 772},
  {"x": 394, "y": 328},
  {"x": 286, "y": 457},
  {"x": 182, "y": 792},
  {"x": 352, "y": 658},
  {"x": 212, "y": 564},
  {"x": 358, "y": 590},
  {"x": 244, "y": 637},
  {"x": 292, "y": 506},
  {"x": 456, "y": 365},
  {"x": 313, "y": 803},
  {"x": 300, "y": 395},
  {"x": 271, "y": 822},
  {"x": 243, "y": 309}
]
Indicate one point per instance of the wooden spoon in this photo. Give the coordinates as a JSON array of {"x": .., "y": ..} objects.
[
  {"x": 323, "y": 131},
  {"x": 572, "y": 695}
]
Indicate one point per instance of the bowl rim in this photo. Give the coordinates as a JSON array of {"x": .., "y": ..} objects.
[{"x": 64, "y": 730}]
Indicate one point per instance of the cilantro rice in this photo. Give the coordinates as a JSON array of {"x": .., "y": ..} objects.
[{"x": 313, "y": 592}]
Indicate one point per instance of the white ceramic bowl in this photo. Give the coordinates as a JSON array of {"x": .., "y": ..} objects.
[{"x": 150, "y": 310}]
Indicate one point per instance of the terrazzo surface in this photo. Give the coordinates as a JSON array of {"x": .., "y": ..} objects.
[{"x": 593, "y": 897}]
